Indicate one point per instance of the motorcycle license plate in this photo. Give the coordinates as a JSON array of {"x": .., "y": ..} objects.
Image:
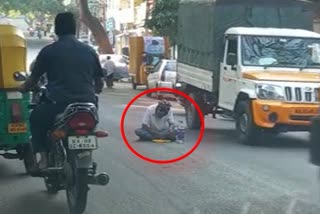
[{"x": 82, "y": 142}]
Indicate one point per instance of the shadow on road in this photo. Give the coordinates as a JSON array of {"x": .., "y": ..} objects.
[
  {"x": 283, "y": 141},
  {"x": 37, "y": 203},
  {"x": 8, "y": 174},
  {"x": 267, "y": 141}
]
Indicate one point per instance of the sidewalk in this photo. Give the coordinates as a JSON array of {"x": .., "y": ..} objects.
[{"x": 121, "y": 85}]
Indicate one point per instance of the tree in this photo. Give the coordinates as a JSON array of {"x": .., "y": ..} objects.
[
  {"x": 32, "y": 6},
  {"x": 39, "y": 8},
  {"x": 165, "y": 19},
  {"x": 98, "y": 31},
  {"x": 33, "y": 9}
]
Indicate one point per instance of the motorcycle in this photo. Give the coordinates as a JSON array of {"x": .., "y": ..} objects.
[
  {"x": 72, "y": 141},
  {"x": 31, "y": 32},
  {"x": 39, "y": 34}
]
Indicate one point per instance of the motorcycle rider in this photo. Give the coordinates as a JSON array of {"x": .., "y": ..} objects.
[{"x": 74, "y": 74}]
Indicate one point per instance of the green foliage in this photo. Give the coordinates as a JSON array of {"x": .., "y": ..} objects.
[
  {"x": 164, "y": 19},
  {"x": 51, "y": 7}
]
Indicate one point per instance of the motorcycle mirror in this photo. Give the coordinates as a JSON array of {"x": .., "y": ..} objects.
[{"x": 20, "y": 76}]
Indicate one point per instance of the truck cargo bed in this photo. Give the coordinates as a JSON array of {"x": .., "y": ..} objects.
[{"x": 202, "y": 24}]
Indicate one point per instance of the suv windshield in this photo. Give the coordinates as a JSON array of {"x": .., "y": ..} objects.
[
  {"x": 280, "y": 52},
  {"x": 171, "y": 66}
]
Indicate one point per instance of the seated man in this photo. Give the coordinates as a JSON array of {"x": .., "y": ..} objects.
[{"x": 158, "y": 123}]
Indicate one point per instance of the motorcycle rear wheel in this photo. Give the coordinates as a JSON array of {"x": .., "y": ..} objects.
[{"x": 77, "y": 191}]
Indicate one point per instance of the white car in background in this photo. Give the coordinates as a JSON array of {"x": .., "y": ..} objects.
[
  {"x": 86, "y": 40},
  {"x": 163, "y": 75},
  {"x": 122, "y": 68}
]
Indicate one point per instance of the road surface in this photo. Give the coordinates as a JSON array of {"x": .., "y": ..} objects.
[{"x": 220, "y": 177}]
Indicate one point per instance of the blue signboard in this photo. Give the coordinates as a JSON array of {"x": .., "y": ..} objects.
[
  {"x": 110, "y": 24},
  {"x": 154, "y": 45}
]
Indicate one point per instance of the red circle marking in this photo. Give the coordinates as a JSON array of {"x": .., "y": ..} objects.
[{"x": 170, "y": 160}]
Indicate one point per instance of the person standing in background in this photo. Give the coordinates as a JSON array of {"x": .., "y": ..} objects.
[{"x": 109, "y": 68}]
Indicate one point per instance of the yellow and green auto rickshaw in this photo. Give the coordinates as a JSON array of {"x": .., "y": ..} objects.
[{"x": 14, "y": 112}]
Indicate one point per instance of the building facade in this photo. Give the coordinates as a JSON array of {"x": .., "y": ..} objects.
[{"x": 126, "y": 18}]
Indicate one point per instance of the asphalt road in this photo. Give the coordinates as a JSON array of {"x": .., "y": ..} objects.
[{"x": 220, "y": 177}]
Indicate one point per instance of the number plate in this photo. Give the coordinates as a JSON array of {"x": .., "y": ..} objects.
[
  {"x": 12, "y": 95},
  {"x": 305, "y": 111},
  {"x": 82, "y": 142},
  {"x": 15, "y": 128}
]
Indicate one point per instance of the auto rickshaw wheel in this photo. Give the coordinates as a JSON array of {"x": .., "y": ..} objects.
[{"x": 29, "y": 159}]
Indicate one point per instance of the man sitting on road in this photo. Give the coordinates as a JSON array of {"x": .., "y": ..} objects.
[{"x": 158, "y": 123}]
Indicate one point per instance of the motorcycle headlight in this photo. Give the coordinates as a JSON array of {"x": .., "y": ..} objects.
[{"x": 269, "y": 92}]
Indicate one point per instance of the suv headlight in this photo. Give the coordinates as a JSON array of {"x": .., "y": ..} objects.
[{"x": 269, "y": 92}]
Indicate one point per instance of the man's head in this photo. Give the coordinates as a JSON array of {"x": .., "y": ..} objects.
[
  {"x": 108, "y": 57},
  {"x": 65, "y": 24},
  {"x": 162, "y": 109}
]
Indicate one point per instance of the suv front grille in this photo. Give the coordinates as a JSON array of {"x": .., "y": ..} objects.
[{"x": 299, "y": 94}]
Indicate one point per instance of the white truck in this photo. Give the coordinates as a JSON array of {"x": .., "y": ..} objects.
[{"x": 255, "y": 60}]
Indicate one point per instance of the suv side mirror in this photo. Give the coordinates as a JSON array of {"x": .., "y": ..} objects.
[
  {"x": 232, "y": 59},
  {"x": 150, "y": 71}
]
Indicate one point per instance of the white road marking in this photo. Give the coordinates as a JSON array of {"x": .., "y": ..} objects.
[
  {"x": 291, "y": 206},
  {"x": 246, "y": 208},
  {"x": 196, "y": 210}
]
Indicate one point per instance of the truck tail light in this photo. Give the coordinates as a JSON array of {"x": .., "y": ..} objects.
[{"x": 16, "y": 113}]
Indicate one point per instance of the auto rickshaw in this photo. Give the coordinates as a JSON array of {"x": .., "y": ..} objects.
[
  {"x": 14, "y": 112},
  {"x": 144, "y": 54}
]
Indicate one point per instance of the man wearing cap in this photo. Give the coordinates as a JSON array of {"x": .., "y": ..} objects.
[
  {"x": 74, "y": 74},
  {"x": 157, "y": 123}
]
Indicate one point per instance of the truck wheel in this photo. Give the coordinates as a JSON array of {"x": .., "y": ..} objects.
[
  {"x": 247, "y": 131},
  {"x": 192, "y": 116},
  {"x": 134, "y": 85},
  {"x": 148, "y": 87},
  {"x": 158, "y": 94}
]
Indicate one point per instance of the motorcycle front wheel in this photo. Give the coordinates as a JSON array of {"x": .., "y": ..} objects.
[{"x": 77, "y": 191}]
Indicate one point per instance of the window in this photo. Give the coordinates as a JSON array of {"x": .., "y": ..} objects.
[
  {"x": 157, "y": 67},
  {"x": 171, "y": 66},
  {"x": 233, "y": 46},
  {"x": 232, "y": 51}
]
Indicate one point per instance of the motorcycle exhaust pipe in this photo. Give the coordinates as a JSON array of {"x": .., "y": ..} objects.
[{"x": 100, "y": 179}]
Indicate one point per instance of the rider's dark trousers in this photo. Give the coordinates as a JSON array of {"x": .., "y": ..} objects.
[{"x": 41, "y": 120}]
